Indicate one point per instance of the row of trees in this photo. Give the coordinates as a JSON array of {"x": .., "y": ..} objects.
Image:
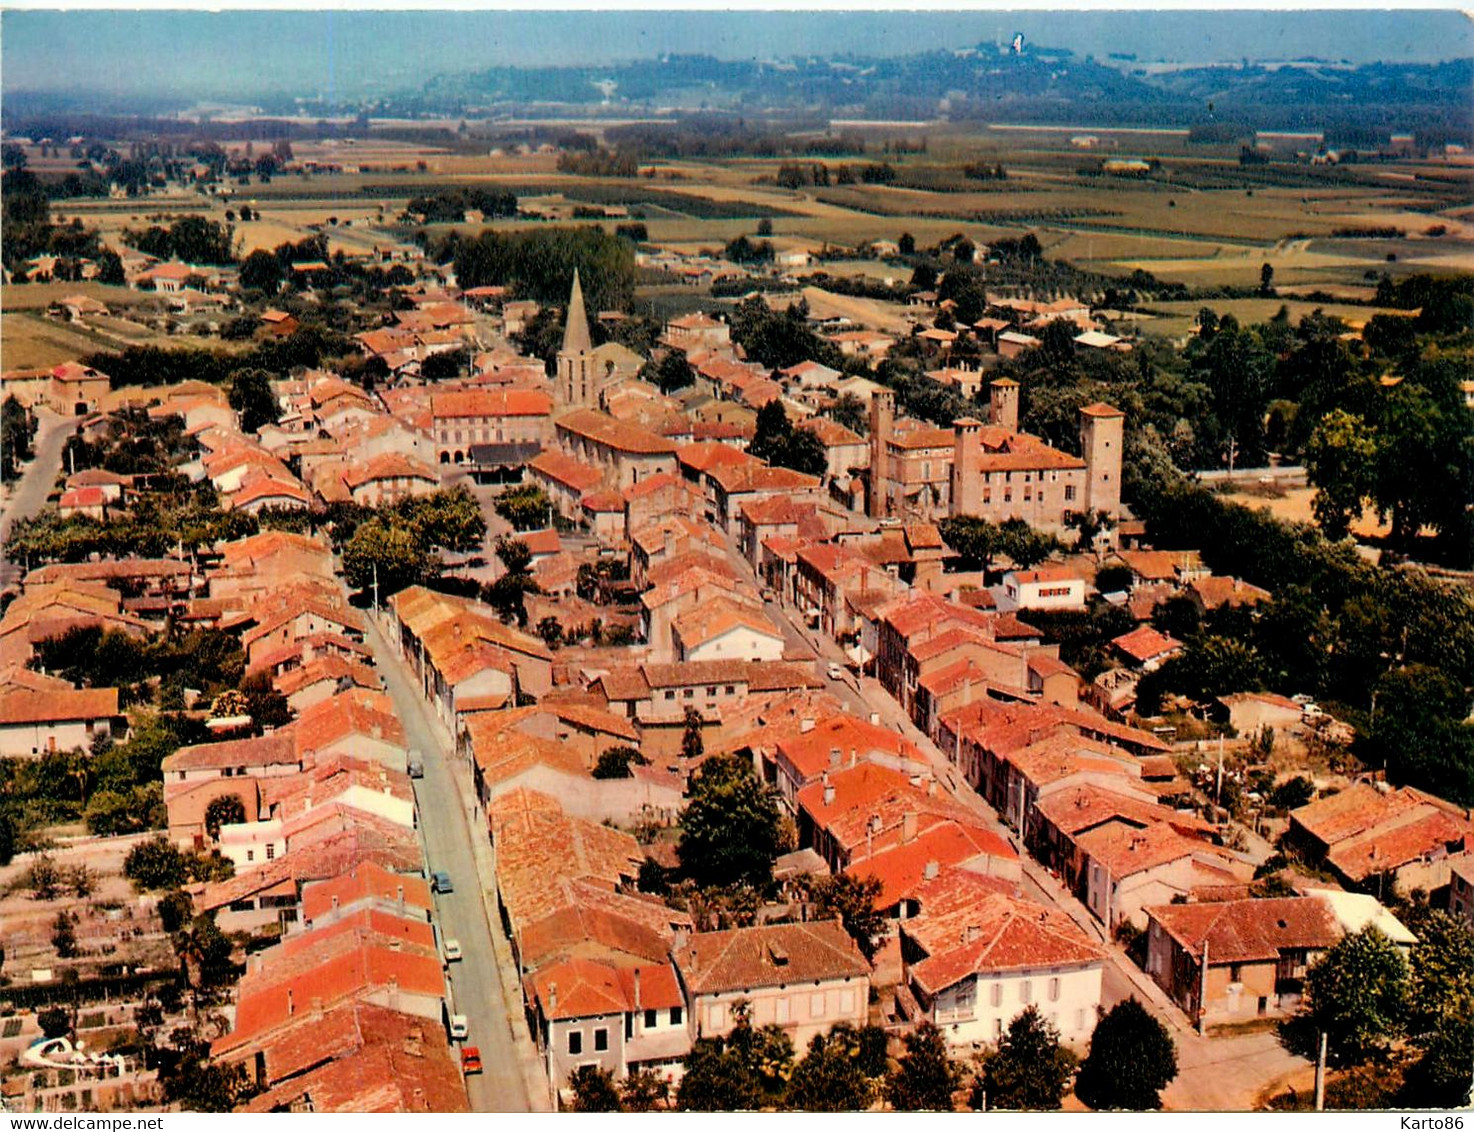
[
  {"x": 192, "y": 239},
  {"x": 540, "y": 263},
  {"x": 848, "y": 1069}
]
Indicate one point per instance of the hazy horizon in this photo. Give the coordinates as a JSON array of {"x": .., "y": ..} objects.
[{"x": 350, "y": 55}]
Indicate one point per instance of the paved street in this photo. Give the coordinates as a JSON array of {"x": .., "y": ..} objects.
[
  {"x": 29, "y": 495},
  {"x": 510, "y": 1082}
]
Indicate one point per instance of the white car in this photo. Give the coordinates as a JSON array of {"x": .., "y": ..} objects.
[
  {"x": 460, "y": 1028},
  {"x": 835, "y": 671},
  {"x": 452, "y": 950}
]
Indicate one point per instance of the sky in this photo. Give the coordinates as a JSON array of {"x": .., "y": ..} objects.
[{"x": 350, "y": 54}]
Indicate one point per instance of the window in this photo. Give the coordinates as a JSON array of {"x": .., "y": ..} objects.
[
  {"x": 1008, "y": 495},
  {"x": 670, "y": 695},
  {"x": 816, "y": 1005},
  {"x": 711, "y": 691},
  {"x": 651, "y": 1017},
  {"x": 1080, "y": 1019},
  {"x": 575, "y": 1042},
  {"x": 1026, "y": 991},
  {"x": 1054, "y": 989},
  {"x": 997, "y": 1028},
  {"x": 250, "y": 855},
  {"x": 1069, "y": 493},
  {"x": 601, "y": 1039},
  {"x": 731, "y": 690},
  {"x": 271, "y": 852},
  {"x": 1235, "y": 973},
  {"x": 996, "y": 996},
  {"x": 688, "y": 693},
  {"x": 676, "y": 1013}
]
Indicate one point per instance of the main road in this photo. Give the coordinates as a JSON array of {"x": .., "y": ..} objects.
[{"x": 478, "y": 989}]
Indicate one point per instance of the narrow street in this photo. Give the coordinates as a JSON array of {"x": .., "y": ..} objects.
[
  {"x": 28, "y": 496},
  {"x": 479, "y": 982}
]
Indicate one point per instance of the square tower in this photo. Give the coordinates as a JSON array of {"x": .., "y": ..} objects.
[
  {"x": 882, "y": 424},
  {"x": 1003, "y": 404},
  {"x": 967, "y": 477},
  {"x": 1102, "y": 436}
]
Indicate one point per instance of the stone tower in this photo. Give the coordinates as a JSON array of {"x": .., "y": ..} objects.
[
  {"x": 882, "y": 424},
  {"x": 1003, "y": 404},
  {"x": 576, "y": 385},
  {"x": 967, "y": 476},
  {"x": 1102, "y": 435}
]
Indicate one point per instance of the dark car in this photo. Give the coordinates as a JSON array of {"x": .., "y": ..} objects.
[{"x": 441, "y": 882}]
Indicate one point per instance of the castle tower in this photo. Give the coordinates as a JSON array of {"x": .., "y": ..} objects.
[
  {"x": 1102, "y": 436},
  {"x": 882, "y": 424},
  {"x": 1003, "y": 404},
  {"x": 967, "y": 476},
  {"x": 576, "y": 359}
]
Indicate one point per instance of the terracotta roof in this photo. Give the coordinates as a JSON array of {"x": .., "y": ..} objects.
[
  {"x": 1431, "y": 832},
  {"x": 767, "y": 955},
  {"x": 588, "y": 919},
  {"x": 389, "y": 465},
  {"x": 1101, "y": 409},
  {"x": 1088, "y": 806},
  {"x": 1247, "y": 931},
  {"x": 736, "y": 480},
  {"x": 967, "y": 925},
  {"x": 56, "y": 706},
  {"x": 575, "y": 474},
  {"x": 809, "y": 753},
  {"x": 366, "y": 881},
  {"x": 902, "y": 868},
  {"x": 1145, "y": 643},
  {"x": 605, "y": 430},
  {"x": 719, "y": 617},
  {"x": 1125, "y": 851},
  {"x": 276, "y": 749},
  {"x": 491, "y": 403},
  {"x": 1214, "y": 591}
]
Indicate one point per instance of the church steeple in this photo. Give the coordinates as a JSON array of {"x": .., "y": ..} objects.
[{"x": 576, "y": 338}]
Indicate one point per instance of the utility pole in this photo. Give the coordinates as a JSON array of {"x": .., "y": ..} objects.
[
  {"x": 1203, "y": 995},
  {"x": 1218, "y": 790},
  {"x": 376, "y": 587},
  {"x": 1320, "y": 1075}
]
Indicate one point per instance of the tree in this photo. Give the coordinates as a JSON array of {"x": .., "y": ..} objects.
[
  {"x": 692, "y": 744},
  {"x": 1357, "y": 994},
  {"x": 1441, "y": 1077},
  {"x": 228, "y": 809},
  {"x": 7, "y": 839},
  {"x": 1132, "y": 1059},
  {"x": 671, "y": 373},
  {"x": 155, "y": 864},
  {"x": 1442, "y": 972},
  {"x": 616, "y": 761},
  {"x": 64, "y": 935},
  {"x": 252, "y": 398},
  {"x": 55, "y": 1021},
  {"x": 643, "y": 1091},
  {"x": 829, "y": 1077},
  {"x": 851, "y": 900},
  {"x": 526, "y": 507},
  {"x": 729, "y": 829},
  {"x": 849, "y": 411},
  {"x": 746, "y": 1071},
  {"x": 772, "y": 432},
  {"x": 383, "y": 559},
  {"x": 550, "y": 629},
  {"x": 1341, "y": 461},
  {"x": 926, "y": 1076},
  {"x": 204, "y": 955},
  {"x": 80, "y": 882},
  {"x": 43, "y": 877},
  {"x": 1029, "y": 1070},
  {"x": 593, "y": 1090},
  {"x": 1266, "y": 279},
  {"x": 175, "y": 909},
  {"x": 907, "y": 243}
]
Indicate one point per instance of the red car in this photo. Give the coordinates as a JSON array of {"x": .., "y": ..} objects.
[{"x": 470, "y": 1060}]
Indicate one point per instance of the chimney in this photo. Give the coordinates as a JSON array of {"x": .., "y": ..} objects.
[
  {"x": 828, "y": 794},
  {"x": 834, "y": 757},
  {"x": 931, "y": 786},
  {"x": 805, "y": 725},
  {"x": 638, "y": 1002},
  {"x": 552, "y": 996},
  {"x": 398, "y": 895},
  {"x": 933, "y": 868},
  {"x": 908, "y": 826},
  {"x": 854, "y": 756},
  {"x": 670, "y": 543},
  {"x": 972, "y": 933},
  {"x": 291, "y": 1002}
]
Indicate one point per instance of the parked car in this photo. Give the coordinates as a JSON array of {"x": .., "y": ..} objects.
[
  {"x": 460, "y": 1028},
  {"x": 471, "y": 1060},
  {"x": 452, "y": 951},
  {"x": 835, "y": 671},
  {"x": 441, "y": 882},
  {"x": 416, "y": 764}
]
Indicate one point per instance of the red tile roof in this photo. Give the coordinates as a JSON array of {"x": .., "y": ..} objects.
[
  {"x": 1247, "y": 931},
  {"x": 1144, "y": 643},
  {"x": 967, "y": 925},
  {"x": 768, "y": 955},
  {"x": 365, "y": 882}
]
